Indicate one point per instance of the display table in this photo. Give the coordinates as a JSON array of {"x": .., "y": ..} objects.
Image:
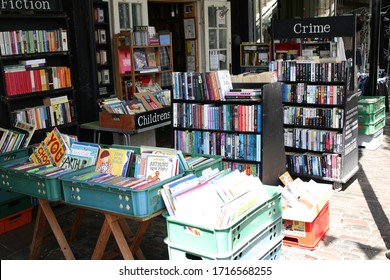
[
  {"x": 97, "y": 130},
  {"x": 128, "y": 243}
]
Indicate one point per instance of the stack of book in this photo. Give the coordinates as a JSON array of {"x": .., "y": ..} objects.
[
  {"x": 243, "y": 94},
  {"x": 16, "y": 138},
  {"x": 216, "y": 201}
]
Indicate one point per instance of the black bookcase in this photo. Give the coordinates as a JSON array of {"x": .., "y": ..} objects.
[
  {"x": 31, "y": 37},
  {"x": 335, "y": 96}
]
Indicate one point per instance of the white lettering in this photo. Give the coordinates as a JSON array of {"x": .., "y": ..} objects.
[
  {"x": 303, "y": 29},
  {"x": 25, "y": 5},
  {"x": 153, "y": 118}
]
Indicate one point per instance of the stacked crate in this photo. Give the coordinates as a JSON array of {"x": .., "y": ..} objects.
[
  {"x": 371, "y": 120},
  {"x": 256, "y": 235},
  {"x": 15, "y": 210}
]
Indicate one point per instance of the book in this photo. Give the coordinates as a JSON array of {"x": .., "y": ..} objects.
[
  {"x": 75, "y": 162},
  {"x": 148, "y": 100},
  {"x": 151, "y": 57},
  {"x": 140, "y": 60},
  {"x": 135, "y": 106},
  {"x": 84, "y": 149},
  {"x": 160, "y": 167},
  {"x": 114, "y": 161},
  {"x": 124, "y": 61}
]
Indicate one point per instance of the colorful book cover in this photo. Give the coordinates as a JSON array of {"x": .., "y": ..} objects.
[
  {"x": 114, "y": 161},
  {"x": 85, "y": 150},
  {"x": 160, "y": 167},
  {"x": 124, "y": 61},
  {"x": 75, "y": 162}
]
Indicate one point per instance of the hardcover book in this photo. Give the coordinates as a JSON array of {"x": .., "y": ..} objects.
[
  {"x": 114, "y": 161},
  {"x": 160, "y": 167}
]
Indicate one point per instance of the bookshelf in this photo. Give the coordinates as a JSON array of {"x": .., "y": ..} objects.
[
  {"x": 287, "y": 50},
  {"x": 254, "y": 57},
  {"x": 101, "y": 52},
  {"x": 248, "y": 134},
  {"x": 35, "y": 64},
  {"x": 322, "y": 49},
  {"x": 320, "y": 107},
  {"x": 141, "y": 63}
]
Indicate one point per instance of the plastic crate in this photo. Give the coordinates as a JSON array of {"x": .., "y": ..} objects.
[
  {"x": 16, "y": 220},
  {"x": 370, "y": 104},
  {"x": 368, "y": 119},
  {"x": 48, "y": 188},
  {"x": 11, "y": 202},
  {"x": 260, "y": 247},
  {"x": 214, "y": 164},
  {"x": 220, "y": 241},
  {"x": 371, "y": 142},
  {"x": 14, "y": 155},
  {"x": 372, "y": 128},
  {"x": 306, "y": 235},
  {"x": 111, "y": 198}
]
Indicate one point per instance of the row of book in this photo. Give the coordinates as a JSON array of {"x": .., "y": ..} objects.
[
  {"x": 47, "y": 115},
  {"x": 17, "y": 42},
  {"x": 313, "y": 94},
  {"x": 320, "y": 117},
  {"x": 201, "y": 86},
  {"x": 314, "y": 140},
  {"x": 20, "y": 80},
  {"x": 236, "y": 146},
  {"x": 248, "y": 168},
  {"x": 100, "y": 36},
  {"x": 215, "y": 202},
  {"x": 218, "y": 117},
  {"x": 255, "y": 57},
  {"x": 326, "y": 165},
  {"x": 16, "y": 138},
  {"x": 101, "y": 57},
  {"x": 145, "y": 36},
  {"x": 98, "y": 15},
  {"x": 310, "y": 71}
]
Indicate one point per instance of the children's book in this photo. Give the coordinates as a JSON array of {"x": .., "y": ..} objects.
[
  {"x": 114, "y": 161},
  {"x": 160, "y": 167},
  {"x": 148, "y": 100},
  {"x": 140, "y": 60},
  {"x": 135, "y": 106},
  {"x": 75, "y": 162},
  {"x": 84, "y": 149},
  {"x": 26, "y": 128}
]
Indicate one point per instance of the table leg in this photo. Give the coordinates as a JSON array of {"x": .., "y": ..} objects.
[
  {"x": 39, "y": 230},
  {"x": 76, "y": 224},
  {"x": 55, "y": 227},
  {"x": 102, "y": 241},
  {"x": 139, "y": 235},
  {"x": 113, "y": 222},
  {"x": 129, "y": 233}
]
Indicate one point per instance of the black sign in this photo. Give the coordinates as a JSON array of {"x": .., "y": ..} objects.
[
  {"x": 31, "y": 5},
  {"x": 341, "y": 26},
  {"x": 153, "y": 117}
]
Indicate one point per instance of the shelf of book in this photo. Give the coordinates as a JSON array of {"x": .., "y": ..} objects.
[
  {"x": 35, "y": 64},
  {"x": 320, "y": 102},
  {"x": 101, "y": 51},
  {"x": 141, "y": 65},
  {"x": 238, "y": 130},
  {"x": 254, "y": 57}
]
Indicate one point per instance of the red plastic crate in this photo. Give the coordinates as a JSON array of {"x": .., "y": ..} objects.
[
  {"x": 16, "y": 220},
  {"x": 304, "y": 234}
]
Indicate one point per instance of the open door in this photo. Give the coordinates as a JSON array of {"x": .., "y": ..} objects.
[{"x": 217, "y": 38}]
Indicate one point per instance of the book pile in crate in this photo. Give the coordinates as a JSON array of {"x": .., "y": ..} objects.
[{"x": 222, "y": 215}]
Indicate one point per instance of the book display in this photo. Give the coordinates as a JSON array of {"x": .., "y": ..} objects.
[
  {"x": 246, "y": 131},
  {"x": 101, "y": 50},
  {"x": 142, "y": 61},
  {"x": 36, "y": 85},
  {"x": 320, "y": 107},
  {"x": 254, "y": 57}
]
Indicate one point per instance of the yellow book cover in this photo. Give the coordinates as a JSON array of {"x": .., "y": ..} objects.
[{"x": 114, "y": 161}]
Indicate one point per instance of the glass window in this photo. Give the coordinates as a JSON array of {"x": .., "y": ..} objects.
[{"x": 124, "y": 20}]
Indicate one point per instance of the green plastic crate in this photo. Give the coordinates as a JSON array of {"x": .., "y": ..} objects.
[
  {"x": 370, "y": 104},
  {"x": 114, "y": 199},
  {"x": 266, "y": 245},
  {"x": 371, "y": 129},
  {"x": 39, "y": 186},
  {"x": 368, "y": 119},
  {"x": 216, "y": 163},
  {"x": 219, "y": 241},
  {"x": 14, "y": 155},
  {"x": 12, "y": 202}
]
